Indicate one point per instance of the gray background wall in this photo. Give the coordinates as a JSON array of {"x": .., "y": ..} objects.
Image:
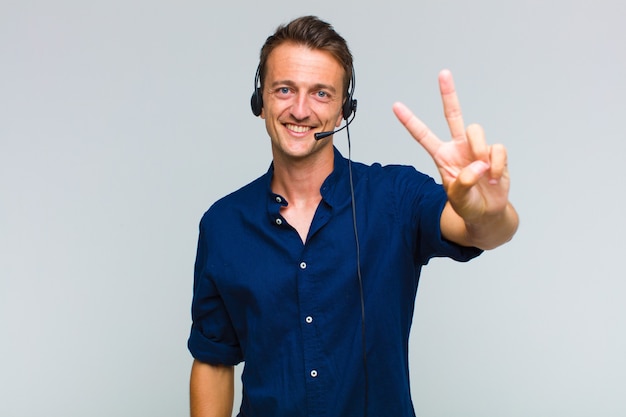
[{"x": 122, "y": 121}]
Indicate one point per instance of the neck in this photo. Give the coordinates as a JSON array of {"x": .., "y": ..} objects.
[{"x": 301, "y": 180}]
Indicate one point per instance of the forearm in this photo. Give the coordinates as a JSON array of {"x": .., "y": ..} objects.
[
  {"x": 211, "y": 390},
  {"x": 488, "y": 233}
]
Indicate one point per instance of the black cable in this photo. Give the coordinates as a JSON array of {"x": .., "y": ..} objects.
[{"x": 358, "y": 272}]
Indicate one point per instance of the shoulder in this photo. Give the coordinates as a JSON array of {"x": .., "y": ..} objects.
[
  {"x": 393, "y": 176},
  {"x": 243, "y": 200},
  {"x": 406, "y": 194}
]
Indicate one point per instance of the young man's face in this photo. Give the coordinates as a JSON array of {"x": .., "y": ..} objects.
[{"x": 302, "y": 95}]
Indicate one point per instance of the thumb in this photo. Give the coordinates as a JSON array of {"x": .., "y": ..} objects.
[
  {"x": 459, "y": 191},
  {"x": 471, "y": 174}
]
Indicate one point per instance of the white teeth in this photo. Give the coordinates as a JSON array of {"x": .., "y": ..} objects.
[{"x": 298, "y": 129}]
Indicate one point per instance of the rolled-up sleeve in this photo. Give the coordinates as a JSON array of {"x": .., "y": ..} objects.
[{"x": 213, "y": 338}]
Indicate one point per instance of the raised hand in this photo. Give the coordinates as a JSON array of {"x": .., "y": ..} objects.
[{"x": 474, "y": 174}]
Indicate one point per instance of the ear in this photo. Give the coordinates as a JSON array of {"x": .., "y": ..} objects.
[{"x": 339, "y": 118}]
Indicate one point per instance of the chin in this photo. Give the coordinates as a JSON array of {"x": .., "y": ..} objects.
[{"x": 301, "y": 149}]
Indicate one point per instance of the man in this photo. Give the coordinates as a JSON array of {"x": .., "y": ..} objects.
[{"x": 309, "y": 273}]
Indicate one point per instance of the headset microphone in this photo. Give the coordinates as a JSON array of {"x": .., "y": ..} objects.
[{"x": 322, "y": 135}]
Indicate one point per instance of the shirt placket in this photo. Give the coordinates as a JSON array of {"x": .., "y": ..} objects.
[
  {"x": 313, "y": 367},
  {"x": 315, "y": 372}
]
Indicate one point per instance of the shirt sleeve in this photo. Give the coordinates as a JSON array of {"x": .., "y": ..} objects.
[
  {"x": 426, "y": 200},
  {"x": 430, "y": 225},
  {"x": 213, "y": 338}
]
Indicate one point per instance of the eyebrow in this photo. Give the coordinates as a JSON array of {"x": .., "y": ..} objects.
[{"x": 318, "y": 86}]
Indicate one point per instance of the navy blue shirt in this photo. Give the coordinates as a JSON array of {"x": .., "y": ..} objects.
[{"x": 292, "y": 311}]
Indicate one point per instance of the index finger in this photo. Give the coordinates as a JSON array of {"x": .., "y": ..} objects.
[
  {"x": 451, "y": 105},
  {"x": 418, "y": 129}
]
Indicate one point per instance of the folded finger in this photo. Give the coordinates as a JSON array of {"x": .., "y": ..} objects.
[
  {"x": 498, "y": 161},
  {"x": 477, "y": 142}
]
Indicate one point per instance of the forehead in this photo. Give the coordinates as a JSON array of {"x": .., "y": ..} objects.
[{"x": 299, "y": 63}]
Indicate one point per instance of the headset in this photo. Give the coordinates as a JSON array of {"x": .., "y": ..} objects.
[{"x": 256, "y": 101}]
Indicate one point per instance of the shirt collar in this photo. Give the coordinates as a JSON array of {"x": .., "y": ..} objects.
[{"x": 334, "y": 189}]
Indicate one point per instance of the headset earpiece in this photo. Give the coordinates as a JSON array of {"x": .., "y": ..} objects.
[
  {"x": 349, "y": 106},
  {"x": 256, "y": 101}
]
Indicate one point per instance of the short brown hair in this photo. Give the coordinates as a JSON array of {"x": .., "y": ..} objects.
[{"x": 314, "y": 33}]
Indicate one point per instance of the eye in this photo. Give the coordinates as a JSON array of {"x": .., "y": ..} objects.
[
  {"x": 283, "y": 90},
  {"x": 322, "y": 94}
]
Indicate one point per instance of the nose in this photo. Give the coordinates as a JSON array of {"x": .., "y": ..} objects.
[{"x": 300, "y": 108}]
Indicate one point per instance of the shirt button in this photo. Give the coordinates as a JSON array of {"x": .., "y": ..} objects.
[
  {"x": 278, "y": 199},
  {"x": 302, "y": 265},
  {"x": 279, "y": 222},
  {"x": 314, "y": 373},
  {"x": 309, "y": 319}
]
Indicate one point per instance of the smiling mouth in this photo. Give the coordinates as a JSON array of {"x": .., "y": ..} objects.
[{"x": 297, "y": 128}]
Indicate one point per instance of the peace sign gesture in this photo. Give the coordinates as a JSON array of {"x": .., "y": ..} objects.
[{"x": 474, "y": 174}]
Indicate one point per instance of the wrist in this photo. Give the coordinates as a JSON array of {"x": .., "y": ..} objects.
[{"x": 493, "y": 229}]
